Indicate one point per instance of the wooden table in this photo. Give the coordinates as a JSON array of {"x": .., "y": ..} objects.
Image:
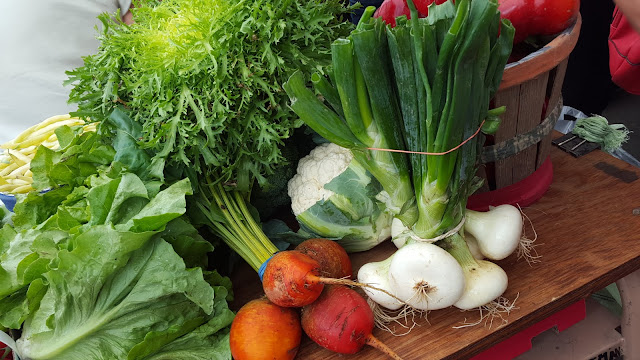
[{"x": 588, "y": 226}]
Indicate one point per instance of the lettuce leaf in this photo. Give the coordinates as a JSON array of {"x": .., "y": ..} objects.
[
  {"x": 104, "y": 299},
  {"x": 210, "y": 341},
  {"x": 119, "y": 207},
  {"x": 104, "y": 265}
]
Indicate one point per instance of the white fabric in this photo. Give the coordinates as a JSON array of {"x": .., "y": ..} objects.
[{"x": 39, "y": 41}]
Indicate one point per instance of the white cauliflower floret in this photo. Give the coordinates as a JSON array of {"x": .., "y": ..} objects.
[{"x": 315, "y": 170}]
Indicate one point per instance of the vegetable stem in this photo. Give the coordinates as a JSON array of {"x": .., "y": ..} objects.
[
  {"x": 457, "y": 247},
  {"x": 379, "y": 345},
  {"x": 237, "y": 228}
]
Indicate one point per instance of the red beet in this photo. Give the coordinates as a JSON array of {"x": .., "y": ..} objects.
[
  {"x": 333, "y": 259},
  {"x": 341, "y": 321}
]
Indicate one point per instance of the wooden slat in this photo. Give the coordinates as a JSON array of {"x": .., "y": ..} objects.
[
  {"x": 507, "y": 130},
  {"x": 482, "y": 173},
  {"x": 542, "y": 60},
  {"x": 556, "y": 79},
  {"x": 532, "y": 96},
  {"x": 588, "y": 236}
]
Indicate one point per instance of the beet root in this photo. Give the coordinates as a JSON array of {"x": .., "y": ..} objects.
[
  {"x": 341, "y": 320},
  {"x": 333, "y": 259},
  {"x": 262, "y": 330},
  {"x": 291, "y": 279}
]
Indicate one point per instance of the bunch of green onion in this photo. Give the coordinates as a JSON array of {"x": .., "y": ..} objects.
[{"x": 409, "y": 101}]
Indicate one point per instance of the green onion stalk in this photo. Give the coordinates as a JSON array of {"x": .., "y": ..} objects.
[
  {"x": 423, "y": 86},
  {"x": 459, "y": 80},
  {"x": 359, "y": 110}
]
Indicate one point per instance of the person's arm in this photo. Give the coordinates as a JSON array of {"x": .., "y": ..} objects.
[
  {"x": 631, "y": 10},
  {"x": 127, "y": 17},
  {"x": 125, "y": 10}
]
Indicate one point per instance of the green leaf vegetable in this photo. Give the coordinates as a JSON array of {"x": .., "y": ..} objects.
[
  {"x": 204, "y": 81},
  {"x": 98, "y": 308},
  {"x": 108, "y": 267}
]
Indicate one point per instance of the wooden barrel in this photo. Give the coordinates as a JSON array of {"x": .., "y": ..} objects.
[{"x": 523, "y": 141}]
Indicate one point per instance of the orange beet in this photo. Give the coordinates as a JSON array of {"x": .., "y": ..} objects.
[
  {"x": 333, "y": 259},
  {"x": 264, "y": 331},
  {"x": 291, "y": 279}
]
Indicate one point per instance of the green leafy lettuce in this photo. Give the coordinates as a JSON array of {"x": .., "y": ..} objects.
[
  {"x": 104, "y": 265},
  {"x": 103, "y": 300}
]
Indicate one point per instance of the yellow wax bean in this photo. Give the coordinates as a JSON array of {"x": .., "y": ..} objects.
[
  {"x": 35, "y": 140},
  {"x": 52, "y": 127},
  {"x": 18, "y": 182},
  {"x": 26, "y": 179},
  {"x": 51, "y": 144},
  {"x": 27, "y": 150},
  {"x": 24, "y": 135},
  {"x": 19, "y": 171},
  {"x": 17, "y": 154},
  {"x": 23, "y": 189},
  {"x": 4, "y": 162},
  {"x": 7, "y": 188},
  {"x": 52, "y": 120},
  {"x": 7, "y": 170}
]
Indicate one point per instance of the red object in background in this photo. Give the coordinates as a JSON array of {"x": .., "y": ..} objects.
[
  {"x": 391, "y": 9},
  {"x": 539, "y": 17},
  {"x": 624, "y": 54},
  {"x": 3, "y": 348},
  {"x": 520, "y": 343},
  {"x": 522, "y": 193}
]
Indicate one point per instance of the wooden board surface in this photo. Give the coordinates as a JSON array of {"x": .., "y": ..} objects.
[{"x": 588, "y": 238}]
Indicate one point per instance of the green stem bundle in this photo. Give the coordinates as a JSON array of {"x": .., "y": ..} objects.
[
  {"x": 421, "y": 86},
  {"x": 230, "y": 219}
]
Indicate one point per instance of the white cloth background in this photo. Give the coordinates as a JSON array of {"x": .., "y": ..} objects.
[{"x": 39, "y": 41}]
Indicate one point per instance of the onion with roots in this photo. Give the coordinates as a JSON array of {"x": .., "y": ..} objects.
[
  {"x": 497, "y": 231},
  {"x": 422, "y": 275}
]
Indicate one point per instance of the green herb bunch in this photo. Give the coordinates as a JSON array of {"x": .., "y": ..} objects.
[{"x": 204, "y": 78}]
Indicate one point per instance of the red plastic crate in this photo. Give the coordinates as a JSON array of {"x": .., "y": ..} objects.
[{"x": 520, "y": 343}]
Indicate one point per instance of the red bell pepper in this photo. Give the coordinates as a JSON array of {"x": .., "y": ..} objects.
[
  {"x": 391, "y": 9},
  {"x": 539, "y": 17}
]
